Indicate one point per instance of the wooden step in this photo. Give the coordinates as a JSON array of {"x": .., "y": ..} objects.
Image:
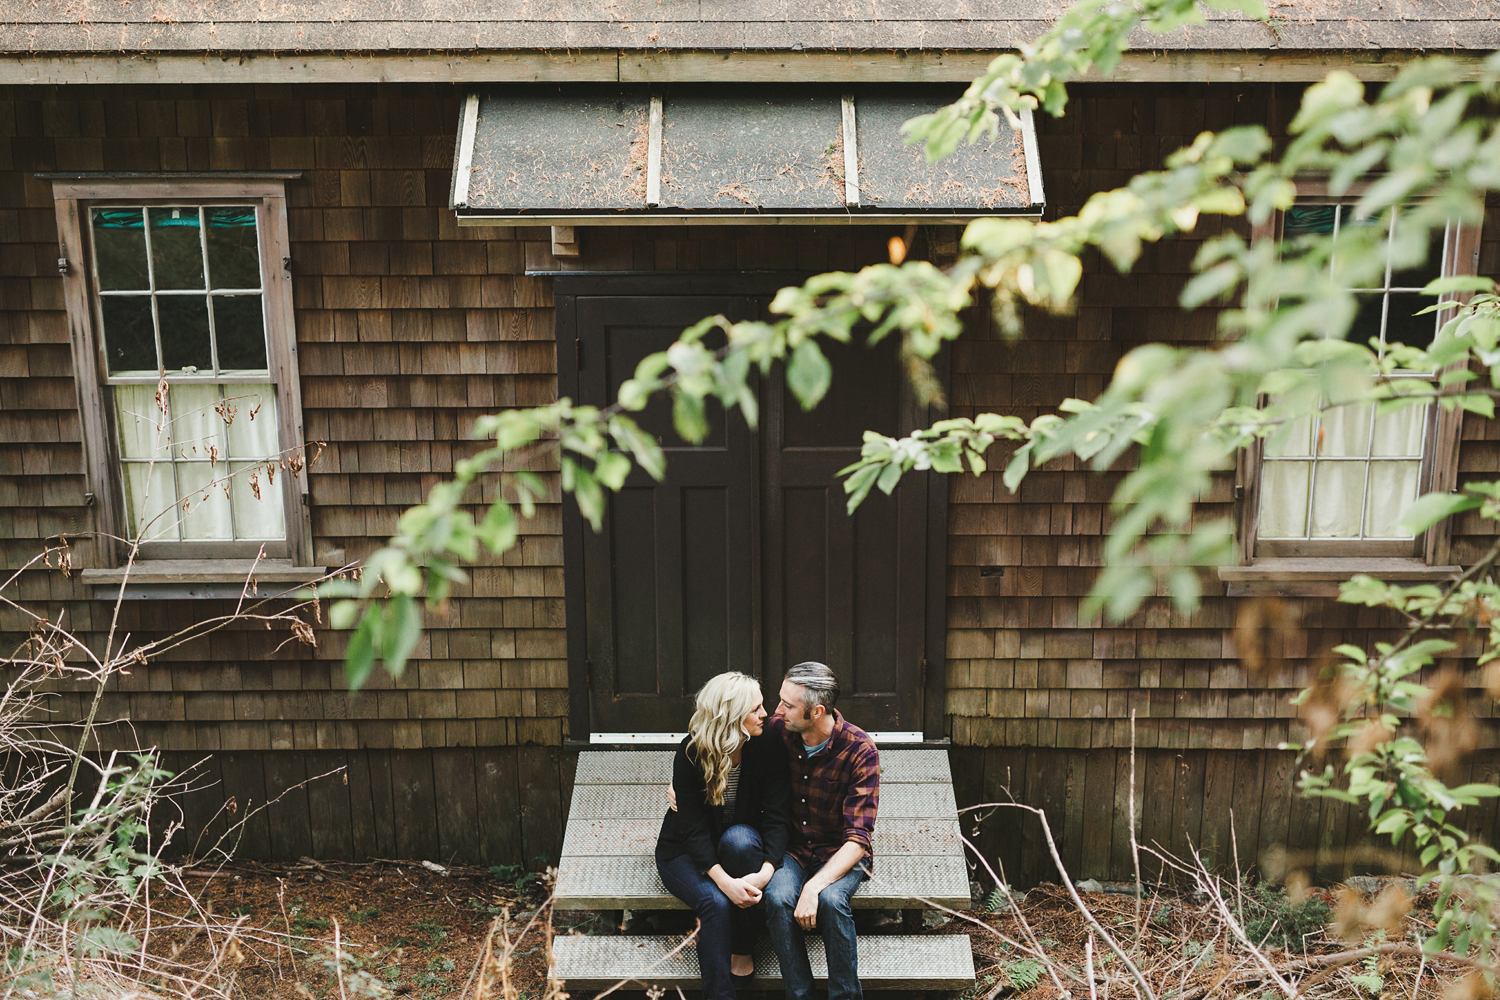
[
  {"x": 898, "y": 800},
  {"x": 886, "y": 962},
  {"x": 630, "y": 882},
  {"x": 619, "y": 798},
  {"x": 654, "y": 767},
  {"x": 613, "y": 837}
]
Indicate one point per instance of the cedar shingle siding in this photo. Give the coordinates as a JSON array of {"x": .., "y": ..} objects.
[{"x": 409, "y": 327}]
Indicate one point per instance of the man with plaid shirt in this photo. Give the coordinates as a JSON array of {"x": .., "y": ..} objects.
[{"x": 835, "y": 792}]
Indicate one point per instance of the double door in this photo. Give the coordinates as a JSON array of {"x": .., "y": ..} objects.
[{"x": 743, "y": 557}]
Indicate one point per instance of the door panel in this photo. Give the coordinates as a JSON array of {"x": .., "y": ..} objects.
[
  {"x": 669, "y": 578},
  {"x": 849, "y": 592},
  {"x": 744, "y": 557}
]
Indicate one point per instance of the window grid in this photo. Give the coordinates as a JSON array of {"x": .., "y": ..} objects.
[
  {"x": 209, "y": 292},
  {"x": 172, "y": 452},
  {"x": 1315, "y": 457},
  {"x": 175, "y": 456}
]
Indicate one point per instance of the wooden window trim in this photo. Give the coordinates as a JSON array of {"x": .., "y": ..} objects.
[
  {"x": 1306, "y": 572},
  {"x": 73, "y": 195}
]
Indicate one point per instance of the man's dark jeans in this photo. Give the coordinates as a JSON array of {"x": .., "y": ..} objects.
[
  {"x": 725, "y": 929},
  {"x": 835, "y": 923}
]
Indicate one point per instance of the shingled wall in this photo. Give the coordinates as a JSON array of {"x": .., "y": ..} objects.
[
  {"x": 408, "y": 327},
  {"x": 1043, "y": 695}
]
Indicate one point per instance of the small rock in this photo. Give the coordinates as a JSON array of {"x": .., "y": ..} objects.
[
  {"x": 1090, "y": 885},
  {"x": 317, "y": 878},
  {"x": 879, "y": 921},
  {"x": 1371, "y": 885},
  {"x": 933, "y": 919}
]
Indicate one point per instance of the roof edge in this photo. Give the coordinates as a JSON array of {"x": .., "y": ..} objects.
[{"x": 737, "y": 66}]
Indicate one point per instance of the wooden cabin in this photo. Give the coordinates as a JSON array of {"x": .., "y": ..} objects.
[{"x": 313, "y": 154}]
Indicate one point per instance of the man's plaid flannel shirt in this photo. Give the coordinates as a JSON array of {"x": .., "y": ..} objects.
[{"x": 834, "y": 794}]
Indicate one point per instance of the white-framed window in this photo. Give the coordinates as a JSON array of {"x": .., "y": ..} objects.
[
  {"x": 178, "y": 292},
  {"x": 1339, "y": 482}
]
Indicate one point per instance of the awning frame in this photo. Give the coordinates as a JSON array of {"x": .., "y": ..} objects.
[{"x": 654, "y": 215}]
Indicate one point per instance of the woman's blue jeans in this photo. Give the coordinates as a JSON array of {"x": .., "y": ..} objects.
[{"x": 724, "y": 929}]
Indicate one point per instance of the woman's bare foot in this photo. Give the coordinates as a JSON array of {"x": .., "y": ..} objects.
[{"x": 741, "y": 965}]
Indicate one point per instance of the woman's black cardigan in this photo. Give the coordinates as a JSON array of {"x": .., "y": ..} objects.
[{"x": 762, "y": 801}]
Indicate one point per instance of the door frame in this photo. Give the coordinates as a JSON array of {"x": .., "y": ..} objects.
[{"x": 567, "y": 288}]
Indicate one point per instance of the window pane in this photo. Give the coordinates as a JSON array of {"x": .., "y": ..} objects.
[
  {"x": 137, "y": 418},
  {"x": 1283, "y": 500},
  {"x": 1304, "y": 220},
  {"x": 1297, "y": 440},
  {"x": 120, "y": 249},
  {"x": 129, "y": 338},
  {"x": 207, "y": 515},
  {"x": 197, "y": 427},
  {"x": 241, "y": 332},
  {"x": 233, "y": 257},
  {"x": 1338, "y": 494},
  {"x": 1393, "y": 489},
  {"x": 150, "y": 501},
  {"x": 1345, "y": 430},
  {"x": 257, "y": 517},
  {"x": 184, "y": 332},
  {"x": 176, "y": 250},
  {"x": 1403, "y": 326},
  {"x": 1367, "y": 321},
  {"x": 252, "y": 432},
  {"x": 1430, "y": 268},
  {"x": 1400, "y": 434}
]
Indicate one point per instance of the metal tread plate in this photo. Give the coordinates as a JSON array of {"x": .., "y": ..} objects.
[
  {"x": 654, "y": 767},
  {"x": 901, "y": 800},
  {"x": 886, "y": 962},
  {"x": 616, "y": 837},
  {"x": 631, "y": 882}
]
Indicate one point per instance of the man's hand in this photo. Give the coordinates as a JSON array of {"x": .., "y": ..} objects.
[
  {"x": 806, "y": 913},
  {"x": 671, "y": 796}
]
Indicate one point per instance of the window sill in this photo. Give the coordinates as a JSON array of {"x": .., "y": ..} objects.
[
  {"x": 1305, "y": 577},
  {"x": 157, "y": 579}
]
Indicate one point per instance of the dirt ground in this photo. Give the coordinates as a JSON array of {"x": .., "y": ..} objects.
[
  {"x": 417, "y": 932},
  {"x": 420, "y": 933}
]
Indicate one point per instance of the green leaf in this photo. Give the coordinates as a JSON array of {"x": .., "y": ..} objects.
[
  {"x": 858, "y": 485},
  {"x": 1433, "y": 507},
  {"x": 612, "y": 469},
  {"x": 97, "y": 942},
  {"x": 889, "y": 477},
  {"x": 1210, "y": 285},
  {"x": 359, "y": 658},
  {"x": 498, "y": 530},
  {"x": 1458, "y": 283},
  {"x": 342, "y": 614},
  {"x": 401, "y": 632},
  {"x": 808, "y": 374},
  {"x": 589, "y": 496},
  {"x": 688, "y": 416}
]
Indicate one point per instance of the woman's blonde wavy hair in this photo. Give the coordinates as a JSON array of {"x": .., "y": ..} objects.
[{"x": 717, "y": 727}]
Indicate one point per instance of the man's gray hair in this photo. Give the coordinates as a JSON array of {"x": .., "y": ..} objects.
[{"x": 821, "y": 687}]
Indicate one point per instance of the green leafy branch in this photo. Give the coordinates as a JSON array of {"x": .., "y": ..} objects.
[{"x": 1092, "y": 34}]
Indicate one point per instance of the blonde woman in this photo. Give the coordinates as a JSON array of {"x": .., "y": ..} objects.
[{"x": 725, "y": 839}]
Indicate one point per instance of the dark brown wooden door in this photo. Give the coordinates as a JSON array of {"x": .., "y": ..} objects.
[
  {"x": 744, "y": 558},
  {"x": 669, "y": 581},
  {"x": 847, "y": 591}
]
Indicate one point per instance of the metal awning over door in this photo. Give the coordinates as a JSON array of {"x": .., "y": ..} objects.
[{"x": 611, "y": 155}]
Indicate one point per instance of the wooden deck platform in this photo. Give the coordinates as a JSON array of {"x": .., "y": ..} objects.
[
  {"x": 886, "y": 962},
  {"x": 619, "y": 798}
]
